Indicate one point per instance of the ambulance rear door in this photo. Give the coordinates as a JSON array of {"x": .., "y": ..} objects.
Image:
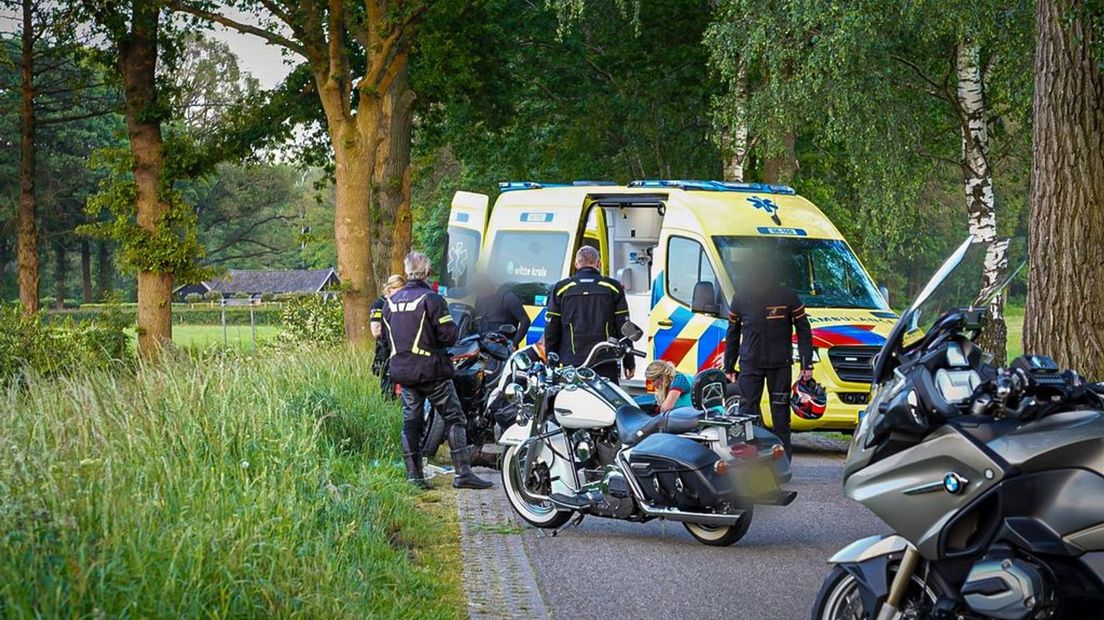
[{"x": 467, "y": 224}]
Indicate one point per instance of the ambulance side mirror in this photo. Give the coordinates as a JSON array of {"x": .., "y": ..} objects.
[
  {"x": 704, "y": 300},
  {"x": 885, "y": 293}
]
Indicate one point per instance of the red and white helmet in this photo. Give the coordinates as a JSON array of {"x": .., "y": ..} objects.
[{"x": 808, "y": 399}]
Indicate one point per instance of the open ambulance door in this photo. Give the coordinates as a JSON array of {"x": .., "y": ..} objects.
[
  {"x": 632, "y": 223},
  {"x": 467, "y": 224}
]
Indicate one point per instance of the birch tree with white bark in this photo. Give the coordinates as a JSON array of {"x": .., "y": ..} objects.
[{"x": 977, "y": 177}]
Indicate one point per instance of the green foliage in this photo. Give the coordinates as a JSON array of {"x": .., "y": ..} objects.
[
  {"x": 172, "y": 247},
  {"x": 182, "y": 314},
  {"x": 193, "y": 298},
  {"x": 312, "y": 319},
  {"x": 30, "y": 345},
  {"x": 212, "y": 296},
  {"x": 869, "y": 89},
  {"x": 221, "y": 487}
]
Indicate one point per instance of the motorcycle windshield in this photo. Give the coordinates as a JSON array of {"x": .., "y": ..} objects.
[{"x": 973, "y": 274}]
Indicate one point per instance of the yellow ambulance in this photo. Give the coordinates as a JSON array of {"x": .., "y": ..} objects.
[{"x": 676, "y": 247}]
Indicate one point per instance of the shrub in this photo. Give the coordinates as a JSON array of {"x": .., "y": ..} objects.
[
  {"x": 193, "y": 298},
  {"x": 241, "y": 295},
  {"x": 312, "y": 319},
  {"x": 225, "y": 487},
  {"x": 29, "y": 344},
  {"x": 212, "y": 296},
  {"x": 268, "y": 297},
  {"x": 181, "y": 315}
]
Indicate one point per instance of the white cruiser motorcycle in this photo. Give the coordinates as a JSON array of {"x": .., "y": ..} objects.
[{"x": 580, "y": 446}]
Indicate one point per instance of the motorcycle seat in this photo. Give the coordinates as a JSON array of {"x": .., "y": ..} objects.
[
  {"x": 634, "y": 425},
  {"x": 466, "y": 347}
]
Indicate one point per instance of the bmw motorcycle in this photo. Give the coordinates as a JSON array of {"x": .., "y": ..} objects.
[
  {"x": 580, "y": 446},
  {"x": 992, "y": 479}
]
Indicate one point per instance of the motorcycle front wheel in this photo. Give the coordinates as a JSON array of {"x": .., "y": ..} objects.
[
  {"x": 542, "y": 515},
  {"x": 840, "y": 598},
  {"x": 720, "y": 535}
]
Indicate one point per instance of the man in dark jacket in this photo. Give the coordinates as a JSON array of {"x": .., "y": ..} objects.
[
  {"x": 586, "y": 309},
  {"x": 497, "y": 306},
  {"x": 761, "y": 322},
  {"x": 418, "y": 325}
]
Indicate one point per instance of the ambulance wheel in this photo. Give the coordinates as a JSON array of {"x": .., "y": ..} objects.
[{"x": 720, "y": 535}]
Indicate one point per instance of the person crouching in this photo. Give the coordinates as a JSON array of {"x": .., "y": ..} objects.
[{"x": 419, "y": 328}]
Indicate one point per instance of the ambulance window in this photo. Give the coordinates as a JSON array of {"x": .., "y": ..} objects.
[
  {"x": 530, "y": 262},
  {"x": 687, "y": 264}
]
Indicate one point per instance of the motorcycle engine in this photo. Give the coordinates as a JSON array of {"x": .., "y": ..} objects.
[{"x": 1007, "y": 588}]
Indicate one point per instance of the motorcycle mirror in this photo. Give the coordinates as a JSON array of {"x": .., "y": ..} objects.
[
  {"x": 631, "y": 331},
  {"x": 515, "y": 393},
  {"x": 507, "y": 330},
  {"x": 553, "y": 359}
]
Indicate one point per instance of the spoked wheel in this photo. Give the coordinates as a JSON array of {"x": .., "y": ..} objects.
[
  {"x": 840, "y": 599},
  {"x": 543, "y": 514},
  {"x": 720, "y": 535}
]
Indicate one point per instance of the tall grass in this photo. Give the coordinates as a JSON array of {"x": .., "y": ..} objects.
[{"x": 221, "y": 487}]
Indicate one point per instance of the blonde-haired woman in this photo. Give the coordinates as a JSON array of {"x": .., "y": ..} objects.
[
  {"x": 383, "y": 348},
  {"x": 670, "y": 387}
]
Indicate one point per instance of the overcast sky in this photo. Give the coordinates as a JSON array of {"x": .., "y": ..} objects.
[{"x": 265, "y": 61}]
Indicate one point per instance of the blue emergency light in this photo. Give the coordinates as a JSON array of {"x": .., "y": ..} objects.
[{"x": 716, "y": 186}]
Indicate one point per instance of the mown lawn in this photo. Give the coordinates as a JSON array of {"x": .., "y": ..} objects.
[
  {"x": 1014, "y": 318},
  {"x": 238, "y": 337},
  {"x": 218, "y": 486}
]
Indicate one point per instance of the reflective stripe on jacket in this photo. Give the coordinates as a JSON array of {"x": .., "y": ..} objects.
[
  {"x": 585, "y": 309},
  {"x": 419, "y": 328}
]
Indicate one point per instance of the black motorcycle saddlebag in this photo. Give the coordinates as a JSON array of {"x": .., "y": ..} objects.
[{"x": 677, "y": 471}]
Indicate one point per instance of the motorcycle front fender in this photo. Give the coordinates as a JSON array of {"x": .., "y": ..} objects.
[
  {"x": 514, "y": 435},
  {"x": 867, "y": 560}
]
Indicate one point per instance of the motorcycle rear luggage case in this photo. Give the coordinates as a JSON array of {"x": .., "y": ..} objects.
[{"x": 676, "y": 471}]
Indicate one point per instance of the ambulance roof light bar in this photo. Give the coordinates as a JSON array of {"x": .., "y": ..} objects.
[
  {"x": 716, "y": 186},
  {"x": 510, "y": 186}
]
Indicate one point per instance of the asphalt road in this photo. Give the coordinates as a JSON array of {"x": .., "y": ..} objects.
[{"x": 613, "y": 569}]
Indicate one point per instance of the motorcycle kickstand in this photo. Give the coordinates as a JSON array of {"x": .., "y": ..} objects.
[{"x": 574, "y": 522}]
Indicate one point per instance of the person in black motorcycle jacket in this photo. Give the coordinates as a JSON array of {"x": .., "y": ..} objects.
[
  {"x": 586, "y": 309},
  {"x": 383, "y": 347},
  {"x": 762, "y": 320},
  {"x": 497, "y": 306},
  {"x": 419, "y": 328}
]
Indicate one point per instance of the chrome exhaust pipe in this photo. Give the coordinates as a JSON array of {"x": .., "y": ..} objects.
[{"x": 674, "y": 514}]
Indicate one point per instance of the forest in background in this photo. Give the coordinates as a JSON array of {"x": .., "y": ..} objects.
[
  {"x": 909, "y": 124},
  {"x": 610, "y": 95}
]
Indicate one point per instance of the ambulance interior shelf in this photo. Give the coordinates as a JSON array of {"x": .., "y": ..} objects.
[{"x": 635, "y": 235}]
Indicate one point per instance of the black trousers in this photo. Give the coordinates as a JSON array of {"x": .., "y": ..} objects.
[
  {"x": 442, "y": 397},
  {"x": 779, "y": 382}
]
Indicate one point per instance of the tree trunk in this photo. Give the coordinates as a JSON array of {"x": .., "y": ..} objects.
[
  {"x": 977, "y": 176},
  {"x": 137, "y": 63},
  {"x": 105, "y": 273},
  {"x": 352, "y": 236},
  {"x": 781, "y": 168},
  {"x": 734, "y": 139},
  {"x": 86, "y": 271},
  {"x": 28, "y": 216},
  {"x": 394, "y": 220},
  {"x": 61, "y": 273},
  {"x": 1065, "y": 299}
]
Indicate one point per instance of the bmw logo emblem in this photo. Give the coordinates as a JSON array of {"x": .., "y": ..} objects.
[{"x": 954, "y": 483}]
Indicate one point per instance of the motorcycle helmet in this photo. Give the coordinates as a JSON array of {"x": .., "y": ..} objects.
[{"x": 808, "y": 399}]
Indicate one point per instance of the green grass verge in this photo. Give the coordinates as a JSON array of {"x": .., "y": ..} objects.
[{"x": 218, "y": 487}]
